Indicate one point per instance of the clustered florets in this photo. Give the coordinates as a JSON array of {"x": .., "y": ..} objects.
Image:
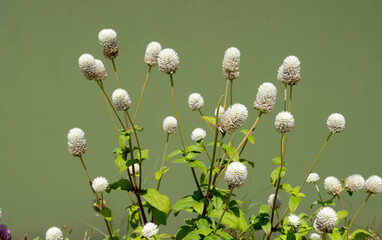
[
  {"x": 231, "y": 62},
  {"x": 373, "y": 184},
  {"x": 234, "y": 117},
  {"x": 326, "y": 220},
  {"x": 170, "y": 124},
  {"x": 198, "y": 134},
  {"x": 236, "y": 174},
  {"x": 313, "y": 177},
  {"x": 195, "y": 101},
  {"x": 134, "y": 169},
  {"x": 354, "y": 183},
  {"x": 336, "y": 122},
  {"x": 121, "y": 99},
  {"x": 294, "y": 220},
  {"x": 265, "y": 98},
  {"x": 271, "y": 198},
  {"x": 168, "y": 61},
  {"x": 108, "y": 40},
  {"x": 284, "y": 122},
  {"x": 149, "y": 230},
  {"x": 152, "y": 51},
  {"x": 100, "y": 184},
  {"x": 101, "y": 73},
  {"x": 76, "y": 142},
  {"x": 91, "y": 68},
  {"x": 54, "y": 233},
  {"x": 289, "y": 71},
  {"x": 314, "y": 236},
  {"x": 332, "y": 186}
]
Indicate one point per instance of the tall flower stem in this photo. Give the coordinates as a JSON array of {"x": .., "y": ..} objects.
[
  {"x": 285, "y": 95},
  {"x": 143, "y": 90},
  {"x": 342, "y": 207},
  {"x": 231, "y": 88},
  {"x": 201, "y": 114},
  {"x": 225, "y": 209},
  {"x": 163, "y": 158},
  {"x": 246, "y": 141},
  {"x": 115, "y": 71},
  {"x": 359, "y": 210},
  {"x": 289, "y": 110},
  {"x": 226, "y": 92},
  {"x": 278, "y": 184},
  {"x": 176, "y": 112},
  {"x": 319, "y": 194}
]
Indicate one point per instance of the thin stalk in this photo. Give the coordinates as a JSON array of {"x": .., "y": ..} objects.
[
  {"x": 246, "y": 141},
  {"x": 290, "y": 106},
  {"x": 143, "y": 90},
  {"x": 111, "y": 117},
  {"x": 290, "y": 97},
  {"x": 231, "y": 90},
  {"x": 196, "y": 181},
  {"x": 237, "y": 149},
  {"x": 115, "y": 71},
  {"x": 324, "y": 236},
  {"x": 108, "y": 228},
  {"x": 359, "y": 210},
  {"x": 225, "y": 209},
  {"x": 208, "y": 155},
  {"x": 201, "y": 114},
  {"x": 226, "y": 92},
  {"x": 319, "y": 194},
  {"x": 342, "y": 207},
  {"x": 176, "y": 112},
  {"x": 278, "y": 184},
  {"x": 285, "y": 96},
  {"x": 163, "y": 158}
]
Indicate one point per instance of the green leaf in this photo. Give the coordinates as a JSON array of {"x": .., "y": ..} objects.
[
  {"x": 264, "y": 209},
  {"x": 122, "y": 140},
  {"x": 198, "y": 164},
  {"x": 158, "y": 175},
  {"x": 360, "y": 234},
  {"x": 335, "y": 235},
  {"x": 183, "y": 232},
  {"x": 121, "y": 184},
  {"x": 145, "y": 154},
  {"x": 193, "y": 235},
  {"x": 224, "y": 235},
  {"x": 157, "y": 200},
  {"x": 186, "y": 202},
  {"x": 252, "y": 164},
  {"x": 138, "y": 128},
  {"x": 277, "y": 160},
  {"x": 120, "y": 163},
  {"x": 159, "y": 217},
  {"x": 174, "y": 153},
  {"x": 287, "y": 188},
  {"x": 250, "y": 138},
  {"x": 180, "y": 160},
  {"x": 209, "y": 119},
  {"x": 202, "y": 224},
  {"x": 293, "y": 203},
  {"x": 191, "y": 155},
  {"x": 106, "y": 213},
  {"x": 230, "y": 151},
  {"x": 230, "y": 219},
  {"x": 195, "y": 148},
  {"x": 267, "y": 226},
  {"x": 198, "y": 207},
  {"x": 341, "y": 214},
  {"x": 275, "y": 175},
  {"x": 212, "y": 237},
  {"x": 117, "y": 151}
]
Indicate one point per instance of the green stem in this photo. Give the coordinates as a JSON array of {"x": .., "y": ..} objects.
[
  {"x": 115, "y": 71},
  {"x": 143, "y": 90},
  {"x": 225, "y": 209},
  {"x": 290, "y": 97},
  {"x": 163, "y": 158},
  {"x": 231, "y": 90},
  {"x": 285, "y": 96},
  {"x": 201, "y": 114},
  {"x": 246, "y": 141},
  {"x": 359, "y": 210},
  {"x": 319, "y": 194},
  {"x": 342, "y": 207},
  {"x": 176, "y": 113},
  {"x": 226, "y": 93},
  {"x": 208, "y": 155}
]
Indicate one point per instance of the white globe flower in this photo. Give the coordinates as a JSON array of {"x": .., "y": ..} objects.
[
  {"x": 236, "y": 174},
  {"x": 170, "y": 125},
  {"x": 326, "y": 220},
  {"x": 198, "y": 134},
  {"x": 336, "y": 122},
  {"x": 354, "y": 183},
  {"x": 332, "y": 186},
  {"x": 100, "y": 184},
  {"x": 149, "y": 230},
  {"x": 54, "y": 233},
  {"x": 134, "y": 168},
  {"x": 76, "y": 142},
  {"x": 284, "y": 122},
  {"x": 100, "y": 70},
  {"x": 121, "y": 99},
  {"x": 265, "y": 98},
  {"x": 152, "y": 51},
  {"x": 289, "y": 72},
  {"x": 108, "y": 40},
  {"x": 294, "y": 220},
  {"x": 88, "y": 66},
  {"x": 231, "y": 62},
  {"x": 373, "y": 184},
  {"x": 221, "y": 111},
  {"x": 314, "y": 236},
  {"x": 234, "y": 117},
  {"x": 168, "y": 61},
  {"x": 313, "y": 177},
  {"x": 271, "y": 198},
  {"x": 195, "y": 101}
]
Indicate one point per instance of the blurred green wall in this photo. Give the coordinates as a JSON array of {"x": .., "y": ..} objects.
[{"x": 43, "y": 95}]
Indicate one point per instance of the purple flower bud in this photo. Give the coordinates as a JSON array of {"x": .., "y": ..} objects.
[{"x": 5, "y": 233}]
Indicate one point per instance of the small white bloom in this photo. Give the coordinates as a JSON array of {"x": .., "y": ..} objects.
[
  {"x": 314, "y": 236},
  {"x": 168, "y": 61},
  {"x": 354, "y": 183},
  {"x": 170, "y": 125},
  {"x": 149, "y": 230},
  {"x": 100, "y": 70},
  {"x": 54, "y": 233},
  {"x": 236, "y": 174},
  {"x": 234, "y": 117},
  {"x": 108, "y": 40},
  {"x": 195, "y": 101},
  {"x": 198, "y": 134},
  {"x": 100, "y": 184},
  {"x": 294, "y": 220},
  {"x": 231, "y": 62},
  {"x": 221, "y": 111},
  {"x": 332, "y": 186},
  {"x": 121, "y": 99},
  {"x": 336, "y": 122},
  {"x": 134, "y": 167},
  {"x": 284, "y": 122},
  {"x": 289, "y": 72},
  {"x": 265, "y": 98},
  {"x": 271, "y": 198},
  {"x": 88, "y": 66},
  {"x": 373, "y": 184},
  {"x": 326, "y": 220},
  {"x": 76, "y": 142},
  {"x": 313, "y": 177},
  {"x": 152, "y": 51}
]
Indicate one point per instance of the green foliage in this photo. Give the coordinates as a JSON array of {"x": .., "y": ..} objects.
[
  {"x": 122, "y": 184},
  {"x": 251, "y": 139},
  {"x": 294, "y": 201},
  {"x": 275, "y": 175},
  {"x": 157, "y": 200}
]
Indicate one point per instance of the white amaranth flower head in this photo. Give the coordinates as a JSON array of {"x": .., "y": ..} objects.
[
  {"x": 294, "y": 220},
  {"x": 108, "y": 40},
  {"x": 121, "y": 99},
  {"x": 168, "y": 61},
  {"x": 314, "y": 236},
  {"x": 354, "y": 183},
  {"x": 284, "y": 122},
  {"x": 231, "y": 62},
  {"x": 76, "y": 142},
  {"x": 332, "y": 186},
  {"x": 152, "y": 51},
  {"x": 170, "y": 125},
  {"x": 289, "y": 72},
  {"x": 195, "y": 101},
  {"x": 134, "y": 167},
  {"x": 234, "y": 117},
  {"x": 271, "y": 198},
  {"x": 236, "y": 174},
  {"x": 313, "y": 177},
  {"x": 100, "y": 184},
  {"x": 326, "y": 220},
  {"x": 265, "y": 98},
  {"x": 373, "y": 184},
  {"x": 336, "y": 122},
  {"x": 198, "y": 134},
  {"x": 221, "y": 111},
  {"x": 100, "y": 70},
  {"x": 149, "y": 230},
  {"x": 54, "y": 233},
  {"x": 88, "y": 66}
]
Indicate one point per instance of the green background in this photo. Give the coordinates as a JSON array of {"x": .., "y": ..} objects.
[{"x": 43, "y": 95}]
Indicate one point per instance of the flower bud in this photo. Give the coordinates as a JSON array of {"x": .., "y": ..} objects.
[
  {"x": 284, "y": 122},
  {"x": 373, "y": 184},
  {"x": 88, "y": 66},
  {"x": 170, "y": 125},
  {"x": 134, "y": 167},
  {"x": 100, "y": 184},
  {"x": 326, "y": 220},
  {"x": 265, "y": 98},
  {"x": 5, "y": 233},
  {"x": 231, "y": 62},
  {"x": 271, "y": 198},
  {"x": 354, "y": 183},
  {"x": 294, "y": 220},
  {"x": 168, "y": 61},
  {"x": 234, "y": 117},
  {"x": 76, "y": 142},
  {"x": 54, "y": 233},
  {"x": 100, "y": 71},
  {"x": 336, "y": 122},
  {"x": 195, "y": 101},
  {"x": 108, "y": 40},
  {"x": 149, "y": 230},
  {"x": 152, "y": 51},
  {"x": 332, "y": 186},
  {"x": 313, "y": 177},
  {"x": 289, "y": 72},
  {"x": 121, "y": 99},
  {"x": 236, "y": 174},
  {"x": 198, "y": 134}
]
